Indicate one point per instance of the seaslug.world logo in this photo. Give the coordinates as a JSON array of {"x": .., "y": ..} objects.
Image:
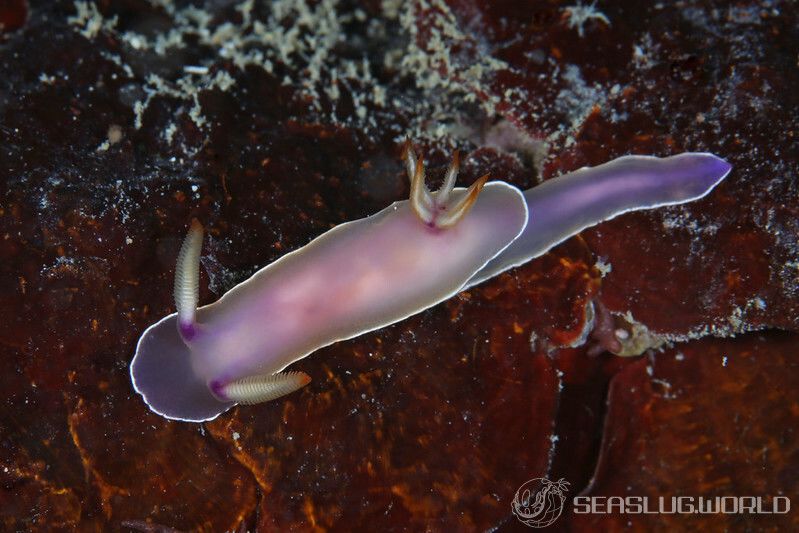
[{"x": 539, "y": 502}]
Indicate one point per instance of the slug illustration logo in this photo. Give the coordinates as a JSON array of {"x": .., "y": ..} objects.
[{"x": 539, "y": 502}]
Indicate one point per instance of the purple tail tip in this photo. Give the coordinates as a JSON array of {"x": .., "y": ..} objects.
[{"x": 720, "y": 167}]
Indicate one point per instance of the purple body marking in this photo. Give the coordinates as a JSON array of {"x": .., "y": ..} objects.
[{"x": 363, "y": 275}]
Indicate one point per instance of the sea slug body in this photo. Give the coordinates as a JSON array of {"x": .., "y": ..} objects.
[
  {"x": 366, "y": 274},
  {"x": 357, "y": 277},
  {"x": 564, "y": 206}
]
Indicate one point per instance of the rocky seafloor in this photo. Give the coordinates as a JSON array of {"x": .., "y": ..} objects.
[{"x": 272, "y": 122}]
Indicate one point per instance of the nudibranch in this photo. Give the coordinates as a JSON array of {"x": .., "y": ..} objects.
[
  {"x": 366, "y": 274},
  {"x": 357, "y": 277}
]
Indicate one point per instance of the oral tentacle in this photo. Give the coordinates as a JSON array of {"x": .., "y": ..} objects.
[
  {"x": 187, "y": 280},
  {"x": 261, "y": 388}
]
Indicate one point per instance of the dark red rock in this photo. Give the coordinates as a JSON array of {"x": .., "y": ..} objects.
[
  {"x": 13, "y": 14},
  {"x": 666, "y": 435}
]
